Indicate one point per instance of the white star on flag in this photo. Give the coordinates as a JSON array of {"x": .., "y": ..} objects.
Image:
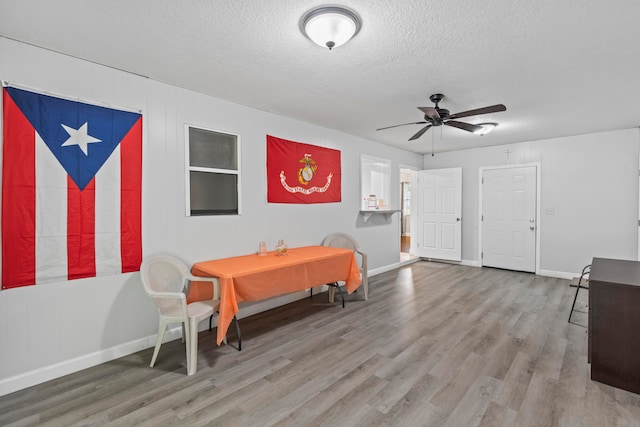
[{"x": 79, "y": 137}]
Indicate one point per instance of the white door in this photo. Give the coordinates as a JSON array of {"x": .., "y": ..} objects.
[
  {"x": 440, "y": 214},
  {"x": 509, "y": 218}
]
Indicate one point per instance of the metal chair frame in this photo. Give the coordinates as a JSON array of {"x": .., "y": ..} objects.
[{"x": 585, "y": 272}]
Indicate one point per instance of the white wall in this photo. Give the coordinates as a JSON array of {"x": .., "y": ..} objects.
[
  {"x": 50, "y": 330},
  {"x": 591, "y": 183}
]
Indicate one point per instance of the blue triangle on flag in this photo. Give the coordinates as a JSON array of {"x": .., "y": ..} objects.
[{"x": 47, "y": 114}]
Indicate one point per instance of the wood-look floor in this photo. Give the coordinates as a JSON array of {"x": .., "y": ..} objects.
[{"x": 435, "y": 345}]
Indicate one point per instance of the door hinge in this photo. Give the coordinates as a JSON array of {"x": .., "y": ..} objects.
[
  {"x": 481, "y": 217},
  {"x": 483, "y": 179},
  {"x": 481, "y": 255}
]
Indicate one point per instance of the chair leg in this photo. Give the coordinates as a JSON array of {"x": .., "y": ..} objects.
[
  {"x": 332, "y": 292},
  {"x": 575, "y": 298},
  {"x": 192, "y": 346},
  {"x": 341, "y": 293},
  {"x": 162, "y": 326},
  {"x": 365, "y": 285}
]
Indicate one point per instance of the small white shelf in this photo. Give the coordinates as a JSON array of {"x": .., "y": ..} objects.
[{"x": 367, "y": 214}]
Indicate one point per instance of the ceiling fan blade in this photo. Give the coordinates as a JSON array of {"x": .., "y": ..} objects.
[
  {"x": 464, "y": 126},
  {"x": 420, "y": 132},
  {"x": 404, "y": 124},
  {"x": 430, "y": 112},
  {"x": 485, "y": 110}
]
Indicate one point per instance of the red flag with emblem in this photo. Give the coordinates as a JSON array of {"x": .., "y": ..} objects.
[{"x": 302, "y": 173}]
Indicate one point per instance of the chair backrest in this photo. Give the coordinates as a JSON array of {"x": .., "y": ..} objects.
[
  {"x": 164, "y": 274},
  {"x": 340, "y": 240}
]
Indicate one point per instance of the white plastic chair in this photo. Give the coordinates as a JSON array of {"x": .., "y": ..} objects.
[
  {"x": 343, "y": 240},
  {"x": 166, "y": 281}
]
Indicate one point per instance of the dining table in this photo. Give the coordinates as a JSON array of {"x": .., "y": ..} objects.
[{"x": 257, "y": 277}]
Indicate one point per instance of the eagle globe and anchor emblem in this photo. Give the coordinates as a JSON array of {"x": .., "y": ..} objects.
[{"x": 305, "y": 175}]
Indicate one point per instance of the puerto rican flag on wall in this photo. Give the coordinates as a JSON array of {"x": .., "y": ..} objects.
[{"x": 71, "y": 189}]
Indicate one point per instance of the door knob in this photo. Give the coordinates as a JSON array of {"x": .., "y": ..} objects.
[
  {"x": 457, "y": 219},
  {"x": 531, "y": 227}
]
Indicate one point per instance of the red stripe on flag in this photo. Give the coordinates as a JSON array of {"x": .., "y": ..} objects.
[
  {"x": 131, "y": 198},
  {"x": 81, "y": 224},
  {"x": 18, "y": 198}
]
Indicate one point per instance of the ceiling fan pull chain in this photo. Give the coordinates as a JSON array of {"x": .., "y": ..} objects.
[{"x": 433, "y": 143}]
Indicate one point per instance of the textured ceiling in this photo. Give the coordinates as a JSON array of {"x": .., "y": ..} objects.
[{"x": 561, "y": 67}]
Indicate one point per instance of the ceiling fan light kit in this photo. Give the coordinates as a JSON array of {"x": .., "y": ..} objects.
[
  {"x": 486, "y": 128},
  {"x": 330, "y": 26},
  {"x": 436, "y": 116}
]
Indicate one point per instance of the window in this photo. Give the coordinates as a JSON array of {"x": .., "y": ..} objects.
[{"x": 213, "y": 178}]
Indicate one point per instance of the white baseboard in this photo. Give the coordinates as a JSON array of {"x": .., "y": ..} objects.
[
  {"x": 57, "y": 370},
  {"x": 394, "y": 266},
  {"x": 470, "y": 263},
  {"x": 547, "y": 273},
  {"x": 465, "y": 262},
  {"x": 380, "y": 270},
  {"x": 558, "y": 274}
]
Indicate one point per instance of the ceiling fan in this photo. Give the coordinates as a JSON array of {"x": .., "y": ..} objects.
[{"x": 436, "y": 116}]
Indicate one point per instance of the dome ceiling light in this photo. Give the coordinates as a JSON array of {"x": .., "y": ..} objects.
[{"x": 330, "y": 26}]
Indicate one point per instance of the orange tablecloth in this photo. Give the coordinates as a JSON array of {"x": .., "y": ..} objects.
[{"x": 255, "y": 278}]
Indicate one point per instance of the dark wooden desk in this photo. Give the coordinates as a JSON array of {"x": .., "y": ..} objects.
[{"x": 614, "y": 323}]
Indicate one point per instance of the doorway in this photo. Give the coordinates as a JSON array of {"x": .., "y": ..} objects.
[
  {"x": 406, "y": 230},
  {"x": 509, "y": 205},
  {"x": 405, "y": 215}
]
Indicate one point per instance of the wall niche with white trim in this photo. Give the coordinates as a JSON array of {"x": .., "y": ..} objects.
[{"x": 375, "y": 187}]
